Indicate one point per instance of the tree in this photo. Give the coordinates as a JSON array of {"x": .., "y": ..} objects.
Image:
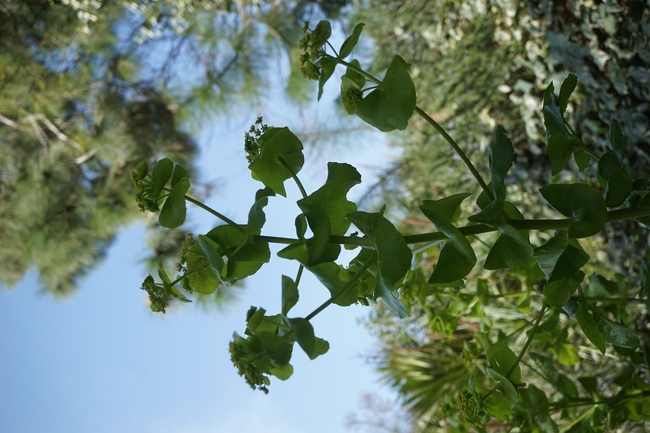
[{"x": 90, "y": 89}]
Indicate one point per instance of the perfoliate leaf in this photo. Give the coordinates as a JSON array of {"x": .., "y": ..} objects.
[
  {"x": 393, "y": 256},
  {"x": 579, "y": 201},
  {"x": 498, "y": 405},
  {"x": 351, "y": 41},
  {"x": 160, "y": 175},
  {"x": 212, "y": 254},
  {"x": 392, "y": 103},
  {"x": 179, "y": 174},
  {"x": 457, "y": 257},
  {"x": 289, "y": 294},
  {"x": 617, "y": 334},
  {"x": 589, "y": 326},
  {"x": 280, "y": 158},
  {"x": 321, "y": 33},
  {"x": 568, "y": 86},
  {"x": 559, "y": 149},
  {"x": 277, "y": 348},
  {"x": 547, "y": 254},
  {"x": 501, "y": 156},
  {"x": 553, "y": 119},
  {"x": 508, "y": 387},
  {"x": 327, "y": 69},
  {"x": 619, "y": 186},
  {"x": 582, "y": 159},
  {"x": 608, "y": 163},
  {"x": 559, "y": 291},
  {"x": 616, "y": 138},
  {"x": 501, "y": 358},
  {"x": 174, "y": 210},
  {"x": 304, "y": 332},
  {"x": 283, "y": 372}
]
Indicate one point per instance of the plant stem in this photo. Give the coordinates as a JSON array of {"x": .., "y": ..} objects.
[
  {"x": 357, "y": 70},
  {"x": 299, "y": 275},
  {"x": 347, "y": 287},
  {"x": 457, "y": 149},
  {"x": 530, "y": 340},
  {"x": 293, "y": 175},
  {"x": 580, "y": 143},
  {"x": 215, "y": 213}
]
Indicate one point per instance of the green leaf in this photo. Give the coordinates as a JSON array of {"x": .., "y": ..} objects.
[
  {"x": 179, "y": 174},
  {"x": 501, "y": 358},
  {"x": 508, "y": 387},
  {"x": 608, "y": 163},
  {"x": 568, "y": 86},
  {"x": 457, "y": 257},
  {"x": 393, "y": 256},
  {"x": 242, "y": 262},
  {"x": 327, "y": 207},
  {"x": 160, "y": 174},
  {"x": 141, "y": 170},
  {"x": 212, "y": 253},
  {"x": 392, "y": 103},
  {"x": 280, "y": 149},
  {"x": 174, "y": 210},
  {"x": 512, "y": 248},
  {"x": 304, "y": 332},
  {"x": 498, "y": 405},
  {"x": 351, "y": 41},
  {"x": 559, "y": 149},
  {"x": 205, "y": 281},
  {"x": 329, "y": 274},
  {"x": 582, "y": 159},
  {"x": 566, "y": 275},
  {"x": 355, "y": 77},
  {"x": 589, "y": 326},
  {"x": 567, "y": 354},
  {"x": 321, "y": 33},
  {"x": 283, "y": 372},
  {"x": 276, "y": 347},
  {"x": 327, "y": 69},
  {"x": 501, "y": 155},
  {"x": 547, "y": 255},
  {"x": 289, "y": 294},
  {"x": 581, "y": 202},
  {"x": 617, "y": 334},
  {"x": 553, "y": 119},
  {"x": 619, "y": 186},
  {"x": 616, "y": 138}
]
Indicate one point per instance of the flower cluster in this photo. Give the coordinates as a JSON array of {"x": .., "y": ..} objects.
[
  {"x": 156, "y": 294},
  {"x": 312, "y": 45},
  {"x": 187, "y": 259},
  {"x": 246, "y": 362},
  {"x": 469, "y": 410},
  {"x": 142, "y": 187},
  {"x": 351, "y": 97},
  {"x": 252, "y": 145}
]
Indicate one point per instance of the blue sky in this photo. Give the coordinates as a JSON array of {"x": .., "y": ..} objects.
[{"x": 102, "y": 362}]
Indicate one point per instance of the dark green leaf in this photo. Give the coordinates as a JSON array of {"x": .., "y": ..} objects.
[
  {"x": 351, "y": 41},
  {"x": 304, "y": 333},
  {"x": 553, "y": 119},
  {"x": 212, "y": 253},
  {"x": 509, "y": 389},
  {"x": 581, "y": 202},
  {"x": 276, "y": 347},
  {"x": 589, "y": 326},
  {"x": 501, "y": 358},
  {"x": 141, "y": 170},
  {"x": 568, "y": 86},
  {"x": 355, "y": 77},
  {"x": 616, "y": 138},
  {"x": 174, "y": 210},
  {"x": 617, "y": 334},
  {"x": 498, "y": 405},
  {"x": 501, "y": 156},
  {"x": 301, "y": 226},
  {"x": 582, "y": 159},
  {"x": 160, "y": 175},
  {"x": 327, "y": 69},
  {"x": 393, "y": 255},
  {"x": 280, "y": 158},
  {"x": 282, "y": 372},
  {"x": 508, "y": 252},
  {"x": 289, "y": 294},
  {"x": 547, "y": 254},
  {"x": 559, "y": 149},
  {"x": 179, "y": 174},
  {"x": 321, "y": 33},
  {"x": 608, "y": 163},
  {"x": 619, "y": 186},
  {"x": 457, "y": 257},
  {"x": 392, "y": 103},
  {"x": 320, "y": 226}
]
